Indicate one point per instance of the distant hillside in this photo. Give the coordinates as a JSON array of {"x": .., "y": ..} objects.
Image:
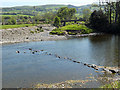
[{"x": 31, "y": 10}]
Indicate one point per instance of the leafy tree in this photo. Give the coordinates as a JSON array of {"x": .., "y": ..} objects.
[
  {"x": 57, "y": 21},
  {"x": 66, "y": 13},
  {"x": 98, "y": 20},
  {"x": 86, "y": 13}
]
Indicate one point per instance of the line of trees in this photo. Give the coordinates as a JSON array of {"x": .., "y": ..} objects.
[{"x": 107, "y": 19}]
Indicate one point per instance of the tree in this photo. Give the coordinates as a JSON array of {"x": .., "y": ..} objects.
[
  {"x": 66, "y": 13},
  {"x": 86, "y": 13},
  {"x": 98, "y": 20},
  {"x": 57, "y": 21}
]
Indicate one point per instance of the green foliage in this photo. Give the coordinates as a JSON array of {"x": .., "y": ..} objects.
[
  {"x": 31, "y": 31},
  {"x": 98, "y": 20},
  {"x": 57, "y": 21},
  {"x": 76, "y": 27},
  {"x": 86, "y": 13},
  {"x": 66, "y": 13},
  {"x": 12, "y": 21},
  {"x": 57, "y": 32},
  {"x": 71, "y": 33},
  {"x": 82, "y": 29}
]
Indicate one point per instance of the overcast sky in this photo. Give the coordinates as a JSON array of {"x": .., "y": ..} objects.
[{"x": 11, "y": 3}]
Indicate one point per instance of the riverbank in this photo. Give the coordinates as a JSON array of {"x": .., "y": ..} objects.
[{"x": 28, "y": 34}]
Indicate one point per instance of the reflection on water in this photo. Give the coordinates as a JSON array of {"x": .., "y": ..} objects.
[{"x": 25, "y": 69}]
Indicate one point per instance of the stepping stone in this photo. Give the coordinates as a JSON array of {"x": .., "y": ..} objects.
[
  {"x": 17, "y": 51},
  {"x": 30, "y": 48},
  {"x": 113, "y": 71},
  {"x": 74, "y": 61}
]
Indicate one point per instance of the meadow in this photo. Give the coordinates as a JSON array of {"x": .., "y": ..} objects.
[{"x": 16, "y": 26}]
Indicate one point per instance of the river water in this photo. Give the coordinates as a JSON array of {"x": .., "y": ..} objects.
[{"x": 25, "y": 69}]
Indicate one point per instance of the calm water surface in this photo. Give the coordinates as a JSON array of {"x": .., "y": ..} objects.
[{"x": 26, "y": 69}]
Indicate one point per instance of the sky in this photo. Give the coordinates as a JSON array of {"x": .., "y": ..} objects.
[{"x": 11, "y": 3}]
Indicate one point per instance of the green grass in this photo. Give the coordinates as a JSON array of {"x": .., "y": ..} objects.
[
  {"x": 115, "y": 84},
  {"x": 83, "y": 29},
  {"x": 16, "y": 26},
  {"x": 15, "y": 15},
  {"x": 75, "y": 27}
]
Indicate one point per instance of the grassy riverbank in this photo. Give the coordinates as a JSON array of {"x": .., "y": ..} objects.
[
  {"x": 72, "y": 30},
  {"x": 16, "y": 26}
]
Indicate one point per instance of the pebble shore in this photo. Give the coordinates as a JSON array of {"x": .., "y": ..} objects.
[{"x": 23, "y": 34}]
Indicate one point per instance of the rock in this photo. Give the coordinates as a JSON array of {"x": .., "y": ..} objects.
[
  {"x": 85, "y": 64},
  {"x": 26, "y": 37},
  {"x": 70, "y": 59},
  {"x": 36, "y": 51},
  {"x": 113, "y": 71},
  {"x": 74, "y": 61},
  {"x": 107, "y": 70},
  {"x": 30, "y": 48},
  {"x": 93, "y": 65},
  {"x": 78, "y": 62},
  {"x": 58, "y": 56},
  {"x": 88, "y": 65},
  {"x": 95, "y": 68},
  {"x": 50, "y": 54},
  {"x": 65, "y": 57},
  {"x": 33, "y": 52},
  {"x": 17, "y": 51}
]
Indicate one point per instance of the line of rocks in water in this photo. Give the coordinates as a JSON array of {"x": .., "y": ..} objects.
[{"x": 99, "y": 68}]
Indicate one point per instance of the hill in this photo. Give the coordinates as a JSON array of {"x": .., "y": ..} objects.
[{"x": 32, "y": 10}]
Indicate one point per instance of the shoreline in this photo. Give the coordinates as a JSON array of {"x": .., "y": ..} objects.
[{"x": 23, "y": 34}]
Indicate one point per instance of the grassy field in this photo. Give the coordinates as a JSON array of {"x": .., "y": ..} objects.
[
  {"x": 15, "y": 15},
  {"x": 16, "y": 26}
]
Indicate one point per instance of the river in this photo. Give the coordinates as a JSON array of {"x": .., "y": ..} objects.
[{"x": 25, "y": 69}]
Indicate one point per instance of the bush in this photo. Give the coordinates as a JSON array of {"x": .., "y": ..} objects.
[
  {"x": 57, "y": 32},
  {"x": 82, "y": 30},
  {"x": 70, "y": 33}
]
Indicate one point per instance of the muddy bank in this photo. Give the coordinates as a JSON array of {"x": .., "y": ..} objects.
[{"x": 27, "y": 34}]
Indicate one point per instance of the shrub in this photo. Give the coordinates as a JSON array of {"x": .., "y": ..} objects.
[
  {"x": 70, "y": 33},
  {"x": 57, "y": 33}
]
